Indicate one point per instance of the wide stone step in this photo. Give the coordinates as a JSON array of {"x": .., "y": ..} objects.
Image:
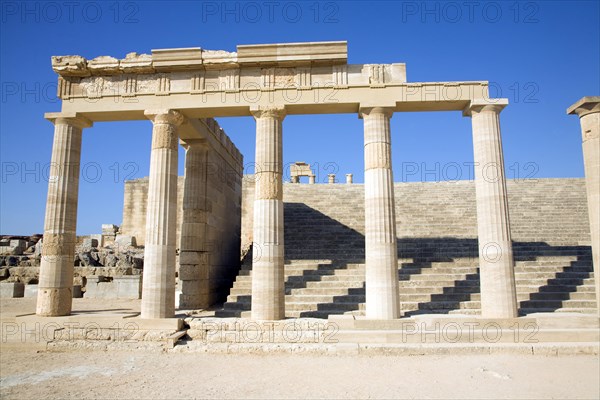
[
  {"x": 556, "y": 288},
  {"x": 553, "y": 281},
  {"x": 547, "y": 304},
  {"x": 553, "y": 275},
  {"x": 525, "y": 311}
]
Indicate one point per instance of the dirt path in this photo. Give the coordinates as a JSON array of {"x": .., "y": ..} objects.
[{"x": 137, "y": 375}]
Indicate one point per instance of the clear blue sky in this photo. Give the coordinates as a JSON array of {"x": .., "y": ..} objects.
[{"x": 541, "y": 55}]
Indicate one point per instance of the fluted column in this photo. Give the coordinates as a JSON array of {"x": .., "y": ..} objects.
[
  {"x": 55, "y": 293},
  {"x": 193, "y": 255},
  {"x": 588, "y": 110},
  {"x": 381, "y": 253},
  {"x": 158, "y": 293},
  {"x": 268, "y": 301},
  {"x": 496, "y": 264}
]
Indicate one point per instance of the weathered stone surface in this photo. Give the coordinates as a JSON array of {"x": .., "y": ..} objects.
[
  {"x": 118, "y": 287},
  {"x": 89, "y": 244},
  {"x": 10, "y": 290},
  {"x": 125, "y": 241},
  {"x": 13, "y": 247},
  {"x": 588, "y": 110}
]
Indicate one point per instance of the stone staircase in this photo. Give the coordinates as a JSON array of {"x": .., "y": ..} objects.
[{"x": 437, "y": 246}]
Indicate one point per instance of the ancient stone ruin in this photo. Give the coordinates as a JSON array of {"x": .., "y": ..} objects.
[{"x": 376, "y": 249}]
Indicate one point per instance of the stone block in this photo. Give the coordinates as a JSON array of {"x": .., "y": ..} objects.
[
  {"x": 193, "y": 258},
  {"x": 129, "y": 287},
  {"x": 38, "y": 248},
  {"x": 109, "y": 229},
  {"x": 89, "y": 243},
  {"x": 15, "y": 247},
  {"x": 125, "y": 240},
  {"x": 77, "y": 293},
  {"x": 186, "y": 301},
  {"x": 9, "y": 290},
  {"x": 31, "y": 291},
  {"x": 194, "y": 287},
  {"x": 189, "y": 272},
  {"x": 98, "y": 238},
  {"x": 120, "y": 287}
]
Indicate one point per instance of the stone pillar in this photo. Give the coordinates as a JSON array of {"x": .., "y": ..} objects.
[
  {"x": 496, "y": 264},
  {"x": 311, "y": 179},
  {"x": 348, "y": 178},
  {"x": 268, "y": 301},
  {"x": 331, "y": 179},
  {"x": 381, "y": 253},
  {"x": 55, "y": 291},
  {"x": 158, "y": 293},
  {"x": 193, "y": 249},
  {"x": 588, "y": 110},
  {"x": 295, "y": 179}
]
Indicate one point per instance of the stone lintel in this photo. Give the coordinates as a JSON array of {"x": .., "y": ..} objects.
[
  {"x": 194, "y": 143},
  {"x": 478, "y": 105},
  {"x": 294, "y": 53},
  {"x": 71, "y": 118},
  {"x": 585, "y": 105}
]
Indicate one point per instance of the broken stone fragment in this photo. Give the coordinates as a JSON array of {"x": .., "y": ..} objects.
[
  {"x": 104, "y": 65},
  {"x": 137, "y": 63},
  {"x": 70, "y": 65}
]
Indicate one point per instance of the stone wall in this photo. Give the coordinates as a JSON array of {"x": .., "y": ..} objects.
[
  {"x": 223, "y": 220},
  {"x": 550, "y": 210}
]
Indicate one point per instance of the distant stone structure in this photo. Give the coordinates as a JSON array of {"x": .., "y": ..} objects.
[
  {"x": 298, "y": 169},
  {"x": 181, "y": 90}
]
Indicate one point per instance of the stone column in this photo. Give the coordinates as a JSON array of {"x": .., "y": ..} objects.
[
  {"x": 348, "y": 178},
  {"x": 193, "y": 249},
  {"x": 331, "y": 179},
  {"x": 158, "y": 293},
  {"x": 311, "y": 179},
  {"x": 381, "y": 252},
  {"x": 55, "y": 293},
  {"x": 588, "y": 110},
  {"x": 496, "y": 264},
  {"x": 268, "y": 301}
]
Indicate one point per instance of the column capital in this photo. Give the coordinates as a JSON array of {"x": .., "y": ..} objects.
[
  {"x": 371, "y": 110},
  {"x": 274, "y": 111},
  {"x": 70, "y": 118},
  {"x": 477, "y": 106},
  {"x": 165, "y": 116},
  {"x": 585, "y": 105},
  {"x": 194, "y": 144}
]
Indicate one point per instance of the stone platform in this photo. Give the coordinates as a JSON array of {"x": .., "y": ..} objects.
[{"x": 115, "y": 324}]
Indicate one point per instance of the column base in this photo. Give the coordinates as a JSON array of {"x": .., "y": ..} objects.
[{"x": 54, "y": 302}]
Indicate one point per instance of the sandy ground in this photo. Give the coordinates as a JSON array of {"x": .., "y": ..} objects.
[
  {"x": 28, "y": 371},
  {"x": 27, "y": 374}
]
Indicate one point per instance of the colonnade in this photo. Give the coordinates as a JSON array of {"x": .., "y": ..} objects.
[{"x": 498, "y": 293}]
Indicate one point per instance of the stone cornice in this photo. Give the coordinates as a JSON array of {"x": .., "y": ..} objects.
[{"x": 195, "y": 58}]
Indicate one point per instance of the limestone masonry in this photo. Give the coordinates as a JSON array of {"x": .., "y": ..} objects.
[{"x": 181, "y": 91}]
